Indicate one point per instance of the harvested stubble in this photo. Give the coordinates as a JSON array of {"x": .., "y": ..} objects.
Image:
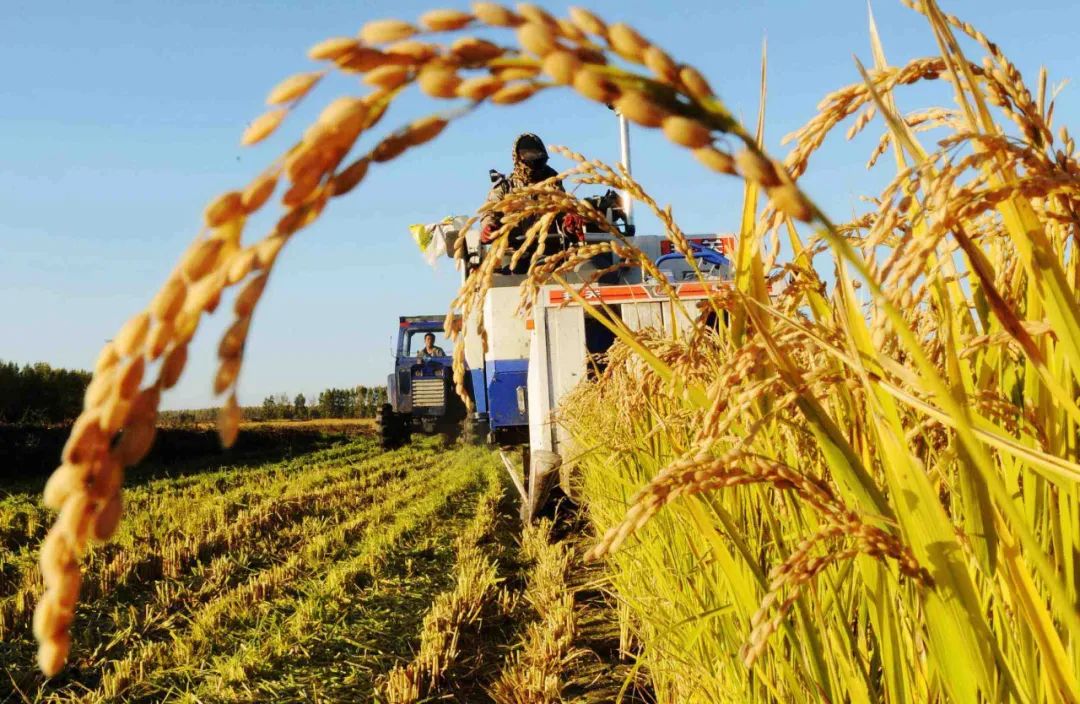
[
  {"x": 307, "y": 539},
  {"x": 937, "y": 407},
  {"x": 474, "y": 592},
  {"x": 388, "y": 511},
  {"x": 535, "y": 672}
]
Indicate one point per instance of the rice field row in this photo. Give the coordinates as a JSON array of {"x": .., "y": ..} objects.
[
  {"x": 346, "y": 574},
  {"x": 295, "y": 580}
]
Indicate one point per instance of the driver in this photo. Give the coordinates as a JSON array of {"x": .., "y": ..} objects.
[
  {"x": 530, "y": 159},
  {"x": 429, "y": 349}
]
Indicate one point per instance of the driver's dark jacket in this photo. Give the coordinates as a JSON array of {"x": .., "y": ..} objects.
[{"x": 435, "y": 352}]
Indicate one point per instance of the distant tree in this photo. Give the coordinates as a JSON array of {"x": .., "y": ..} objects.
[
  {"x": 270, "y": 408},
  {"x": 338, "y": 403},
  {"x": 40, "y": 394},
  {"x": 355, "y": 402},
  {"x": 361, "y": 401}
]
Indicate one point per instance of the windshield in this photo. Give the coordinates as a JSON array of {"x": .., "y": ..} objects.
[{"x": 415, "y": 343}]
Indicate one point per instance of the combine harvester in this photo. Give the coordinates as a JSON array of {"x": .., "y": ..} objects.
[{"x": 531, "y": 364}]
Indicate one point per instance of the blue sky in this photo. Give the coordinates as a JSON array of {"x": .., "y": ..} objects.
[{"x": 119, "y": 120}]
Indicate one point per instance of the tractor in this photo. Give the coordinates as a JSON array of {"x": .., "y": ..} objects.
[{"x": 420, "y": 393}]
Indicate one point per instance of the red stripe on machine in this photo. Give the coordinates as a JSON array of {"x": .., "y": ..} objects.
[{"x": 631, "y": 293}]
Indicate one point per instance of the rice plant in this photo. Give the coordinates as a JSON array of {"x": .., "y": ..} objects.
[{"x": 857, "y": 490}]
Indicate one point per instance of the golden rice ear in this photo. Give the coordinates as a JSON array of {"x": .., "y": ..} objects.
[
  {"x": 595, "y": 86},
  {"x": 53, "y": 653},
  {"x": 228, "y": 371},
  {"x": 789, "y": 200},
  {"x": 686, "y": 132},
  {"x": 229, "y": 421},
  {"x": 202, "y": 259},
  {"x": 514, "y": 93},
  {"x": 388, "y": 77},
  {"x": 638, "y": 108},
  {"x": 626, "y": 42},
  {"x": 135, "y": 443},
  {"x": 413, "y": 51},
  {"x": 173, "y": 366},
  {"x": 131, "y": 337},
  {"x": 445, "y": 20},
  {"x": 169, "y": 300},
  {"x": 495, "y": 15},
  {"x": 386, "y": 31},
  {"x": 714, "y": 159},
  {"x": 107, "y": 358},
  {"x": 756, "y": 168},
  {"x": 479, "y": 87},
  {"x": 107, "y": 521},
  {"x": 471, "y": 50},
  {"x": 346, "y": 180},
  {"x": 333, "y": 48},
  {"x": 63, "y": 481},
  {"x": 438, "y": 82},
  {"x": 263, "y": 126},
  {"x": 587, "y": 22},
  {"x": 537, "y": 38},
  {"x": 695, "y": 83},
  {"x": 660, "y": 64},
  {"x": 425, "y": 130},
  {"x": 293, "y": 88},
  {"x": 224, "y": 208},
  {"x": 561, "y": 66}
]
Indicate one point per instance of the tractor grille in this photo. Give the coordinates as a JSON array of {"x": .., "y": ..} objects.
[{"x": 428, "y": 393}]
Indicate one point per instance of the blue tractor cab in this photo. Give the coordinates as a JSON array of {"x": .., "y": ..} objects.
[{"x": 420, "y": 391}]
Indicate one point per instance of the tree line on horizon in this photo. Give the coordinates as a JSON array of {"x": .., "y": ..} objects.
[
  {"x": 40, "y": 394},
  {"x": 356, "y": 402}
]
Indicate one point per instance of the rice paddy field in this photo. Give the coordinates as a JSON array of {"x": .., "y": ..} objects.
[
  {"x": 852, "y": 475},
  {"x": 342, "y": 574}
]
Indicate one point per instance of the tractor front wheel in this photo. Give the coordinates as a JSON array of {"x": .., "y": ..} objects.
[{"x": 389, "y": 426}]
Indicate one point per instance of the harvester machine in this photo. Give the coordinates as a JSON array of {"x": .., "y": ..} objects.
[{"x": 530, "y": 364}]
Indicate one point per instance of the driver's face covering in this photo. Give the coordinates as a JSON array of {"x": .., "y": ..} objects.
[{"x": 532, "y": 157}]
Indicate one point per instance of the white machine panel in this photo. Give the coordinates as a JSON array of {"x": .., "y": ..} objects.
[
  {"x": 677, "y": 320},
  {"x": 507, "y": 336},
  {"x": 556, "y": 366},
  {"x": 639, "y": 316},
  {"x": 474, "y": 346}
]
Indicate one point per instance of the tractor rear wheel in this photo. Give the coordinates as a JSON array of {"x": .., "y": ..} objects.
[{"x": 388, "y": 426}]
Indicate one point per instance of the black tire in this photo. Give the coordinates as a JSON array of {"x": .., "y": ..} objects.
[{"x": 388, "y": 425}]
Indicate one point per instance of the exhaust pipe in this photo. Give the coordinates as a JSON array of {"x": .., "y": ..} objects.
[{"x": 624, "y": 154}]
